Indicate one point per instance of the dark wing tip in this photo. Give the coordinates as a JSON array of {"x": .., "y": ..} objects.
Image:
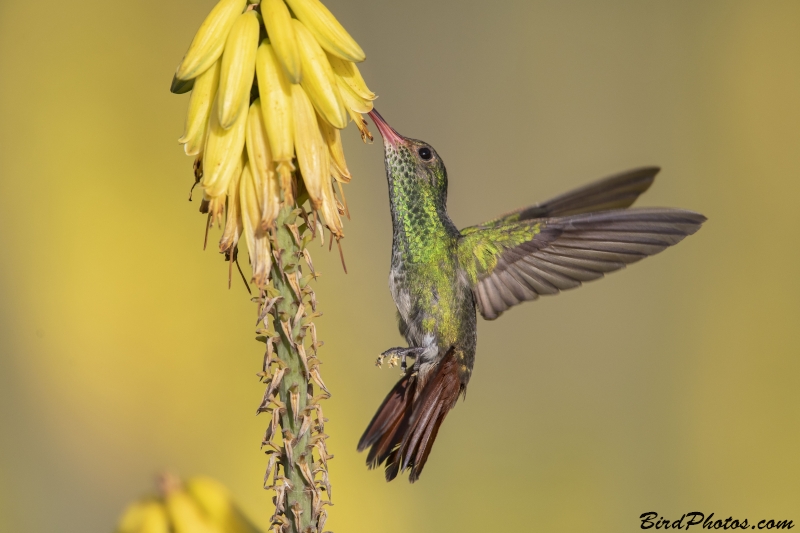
[
  {"x": 647, "y": 170},
  {"x": 696, "y": 220},
  {"x": 617, "y": 191}
]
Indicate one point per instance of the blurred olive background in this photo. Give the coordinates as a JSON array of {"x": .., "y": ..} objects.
[{"x": 670, "y": 387}]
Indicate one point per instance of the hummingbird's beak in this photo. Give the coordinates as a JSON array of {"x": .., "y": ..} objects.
[{"x": 387, "y": 132}]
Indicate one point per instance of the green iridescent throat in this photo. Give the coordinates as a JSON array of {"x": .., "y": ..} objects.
[{"x": 425, "y": 240}]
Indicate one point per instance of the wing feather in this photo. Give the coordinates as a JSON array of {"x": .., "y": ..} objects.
[
  {"x": 520, "y": 289},
  {"x": 536, "y": 282},
  {"x": 516, "y": 261},
  {"x": 571, "y": 271},
  {"x": 559, "y": 281},
  {"x": 613, "y": 192},
  {"x": 513, "y": 286}
]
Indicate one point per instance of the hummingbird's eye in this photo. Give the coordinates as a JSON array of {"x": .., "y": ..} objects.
[{"x": 425, "y": 153}]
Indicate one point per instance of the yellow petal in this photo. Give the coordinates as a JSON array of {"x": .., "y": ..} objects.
[
  {"x": 326, "y": 29},
  {"x": 238, "y": 68},
  {"x": 333, "y": 139},
  {"x": 276, "y": 102},
  {"x": 352, "y": 100},
  {"x": 318, "y": 79},
  {"x": 200, "y": 104},
  {"x": 257, "y": 239},
  {"x": 262, "y": 166},
  {"x": 233, "y": 218},
  {"x": 330, "y": 211},
  {"x": 280, "y": 29},
  {"x": 209, "y": 41},
  {"x": 215, "y": 500},
  {"x": 312, "y": 153},
  {"x": 143, "y": 515},
  {"x": 186, "y": 516},
  {"x": 222, "y": 153},
  {"x": 348, "y": 71}
]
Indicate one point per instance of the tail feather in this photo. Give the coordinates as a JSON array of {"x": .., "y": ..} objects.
[
  {"x": 388, "y": 420},
  {"x": 392, "y": 436},
  {"x": 404, "y": 429},
  {"x": 425, "y": 449}
]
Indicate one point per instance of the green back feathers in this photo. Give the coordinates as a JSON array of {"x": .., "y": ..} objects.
[{"x": 480, "y": 247}]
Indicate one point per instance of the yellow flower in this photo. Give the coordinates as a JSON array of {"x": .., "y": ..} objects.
[
  {"x": 201, "y": 505},
  {"x": 254, "y": 139}
]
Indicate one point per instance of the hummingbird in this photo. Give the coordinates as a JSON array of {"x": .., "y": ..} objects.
[{"x": 441, "y": 277}]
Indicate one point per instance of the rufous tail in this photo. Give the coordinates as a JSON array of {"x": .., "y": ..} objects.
[{"x": 403, "y": 430}]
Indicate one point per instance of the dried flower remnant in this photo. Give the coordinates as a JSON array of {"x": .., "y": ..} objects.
[{"x": 272, "y": 84}]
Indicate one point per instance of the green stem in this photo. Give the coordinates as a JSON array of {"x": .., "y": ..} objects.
[{"x": 290, "y": 314}]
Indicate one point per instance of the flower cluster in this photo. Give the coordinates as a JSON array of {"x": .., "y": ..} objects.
[
  {"x": 272, "y": 83},
  {"x": 201, "y": 505}
]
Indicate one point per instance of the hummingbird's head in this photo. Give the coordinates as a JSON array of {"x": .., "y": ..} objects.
[{"x": 410, "y": 163}]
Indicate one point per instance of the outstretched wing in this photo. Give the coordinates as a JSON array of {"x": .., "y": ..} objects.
[
  {"x": 613, "y": 192},
  {"x": 514, "y": 261}
]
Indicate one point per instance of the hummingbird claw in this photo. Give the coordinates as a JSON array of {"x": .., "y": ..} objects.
[{"x": 399, "y": 356}]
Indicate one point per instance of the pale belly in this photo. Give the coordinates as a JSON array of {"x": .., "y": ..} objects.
[{"x": 429, "y": 323}]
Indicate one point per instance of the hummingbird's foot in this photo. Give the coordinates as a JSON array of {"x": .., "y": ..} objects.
[
  {"x": 400, "y": 355},
  {"x": 392, "y": 361},
  {"x": 391, "y": 353}
]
